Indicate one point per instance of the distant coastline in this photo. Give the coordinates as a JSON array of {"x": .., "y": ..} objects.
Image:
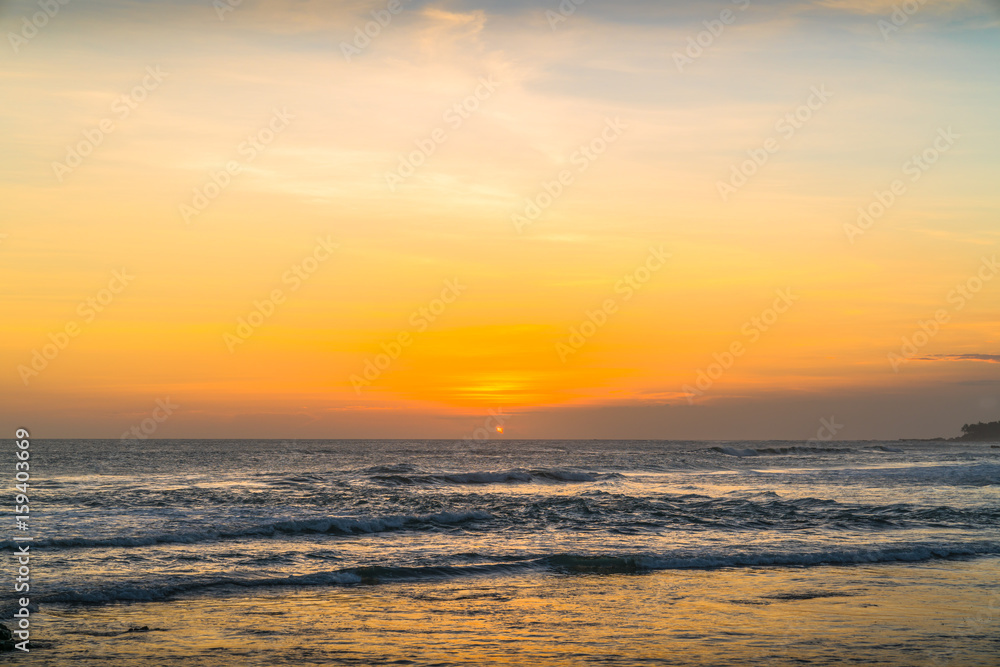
[{"x": 981, "y": 432}]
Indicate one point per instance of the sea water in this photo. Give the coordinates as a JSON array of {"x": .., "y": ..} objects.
[{"x": 513, "y": 552}]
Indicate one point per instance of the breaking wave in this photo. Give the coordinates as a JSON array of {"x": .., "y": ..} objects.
[
  {"x": 329, "y": 526},
  {"x": 499, "y": 477},
  {"x": 561, "y": 563}
]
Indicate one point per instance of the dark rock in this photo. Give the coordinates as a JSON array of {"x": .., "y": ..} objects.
[{"x": 6, "y": 638}]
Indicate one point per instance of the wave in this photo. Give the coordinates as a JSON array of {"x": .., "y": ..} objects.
[
  {"x": 778, "y": 451},
  {"x": 565, "y": 563},
  {"x": 329, "y": 526},
  {"x": 498, "y": 477},
  {"x": 593, "y": 509},
  {"x": 946, "y": 474},
  {"x": 914, "y": 553}
]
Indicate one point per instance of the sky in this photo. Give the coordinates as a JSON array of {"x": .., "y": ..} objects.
[{"x": 427, "y": 219}]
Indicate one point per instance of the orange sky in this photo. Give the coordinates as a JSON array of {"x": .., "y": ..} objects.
[{"x": 292, "y": 231}]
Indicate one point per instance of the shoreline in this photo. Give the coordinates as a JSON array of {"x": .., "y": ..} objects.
[{"x": 938, "y": 613}]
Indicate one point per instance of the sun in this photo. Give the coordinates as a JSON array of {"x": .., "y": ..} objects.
[{"x": 499, "y": 429}]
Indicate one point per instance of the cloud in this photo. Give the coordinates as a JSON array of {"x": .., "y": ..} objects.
[
  {"x": 444, "y": 27},
  {"x": 865, "y": 7},
  {"x": 988, "y": 358}
]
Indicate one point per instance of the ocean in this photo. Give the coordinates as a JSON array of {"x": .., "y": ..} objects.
[{"x": 509, "y": 552}]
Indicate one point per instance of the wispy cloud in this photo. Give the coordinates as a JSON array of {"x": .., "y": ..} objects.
[
  {"x": 871, "y": 6},
  {"x": 988, "y": 358}
]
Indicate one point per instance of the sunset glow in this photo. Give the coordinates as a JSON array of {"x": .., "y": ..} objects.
[
  {"x": 287, "y": 229},
  {"x": 524, "y": 333}
]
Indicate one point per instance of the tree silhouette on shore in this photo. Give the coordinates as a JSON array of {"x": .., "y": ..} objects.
[{"x": 981, "y": 431}]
